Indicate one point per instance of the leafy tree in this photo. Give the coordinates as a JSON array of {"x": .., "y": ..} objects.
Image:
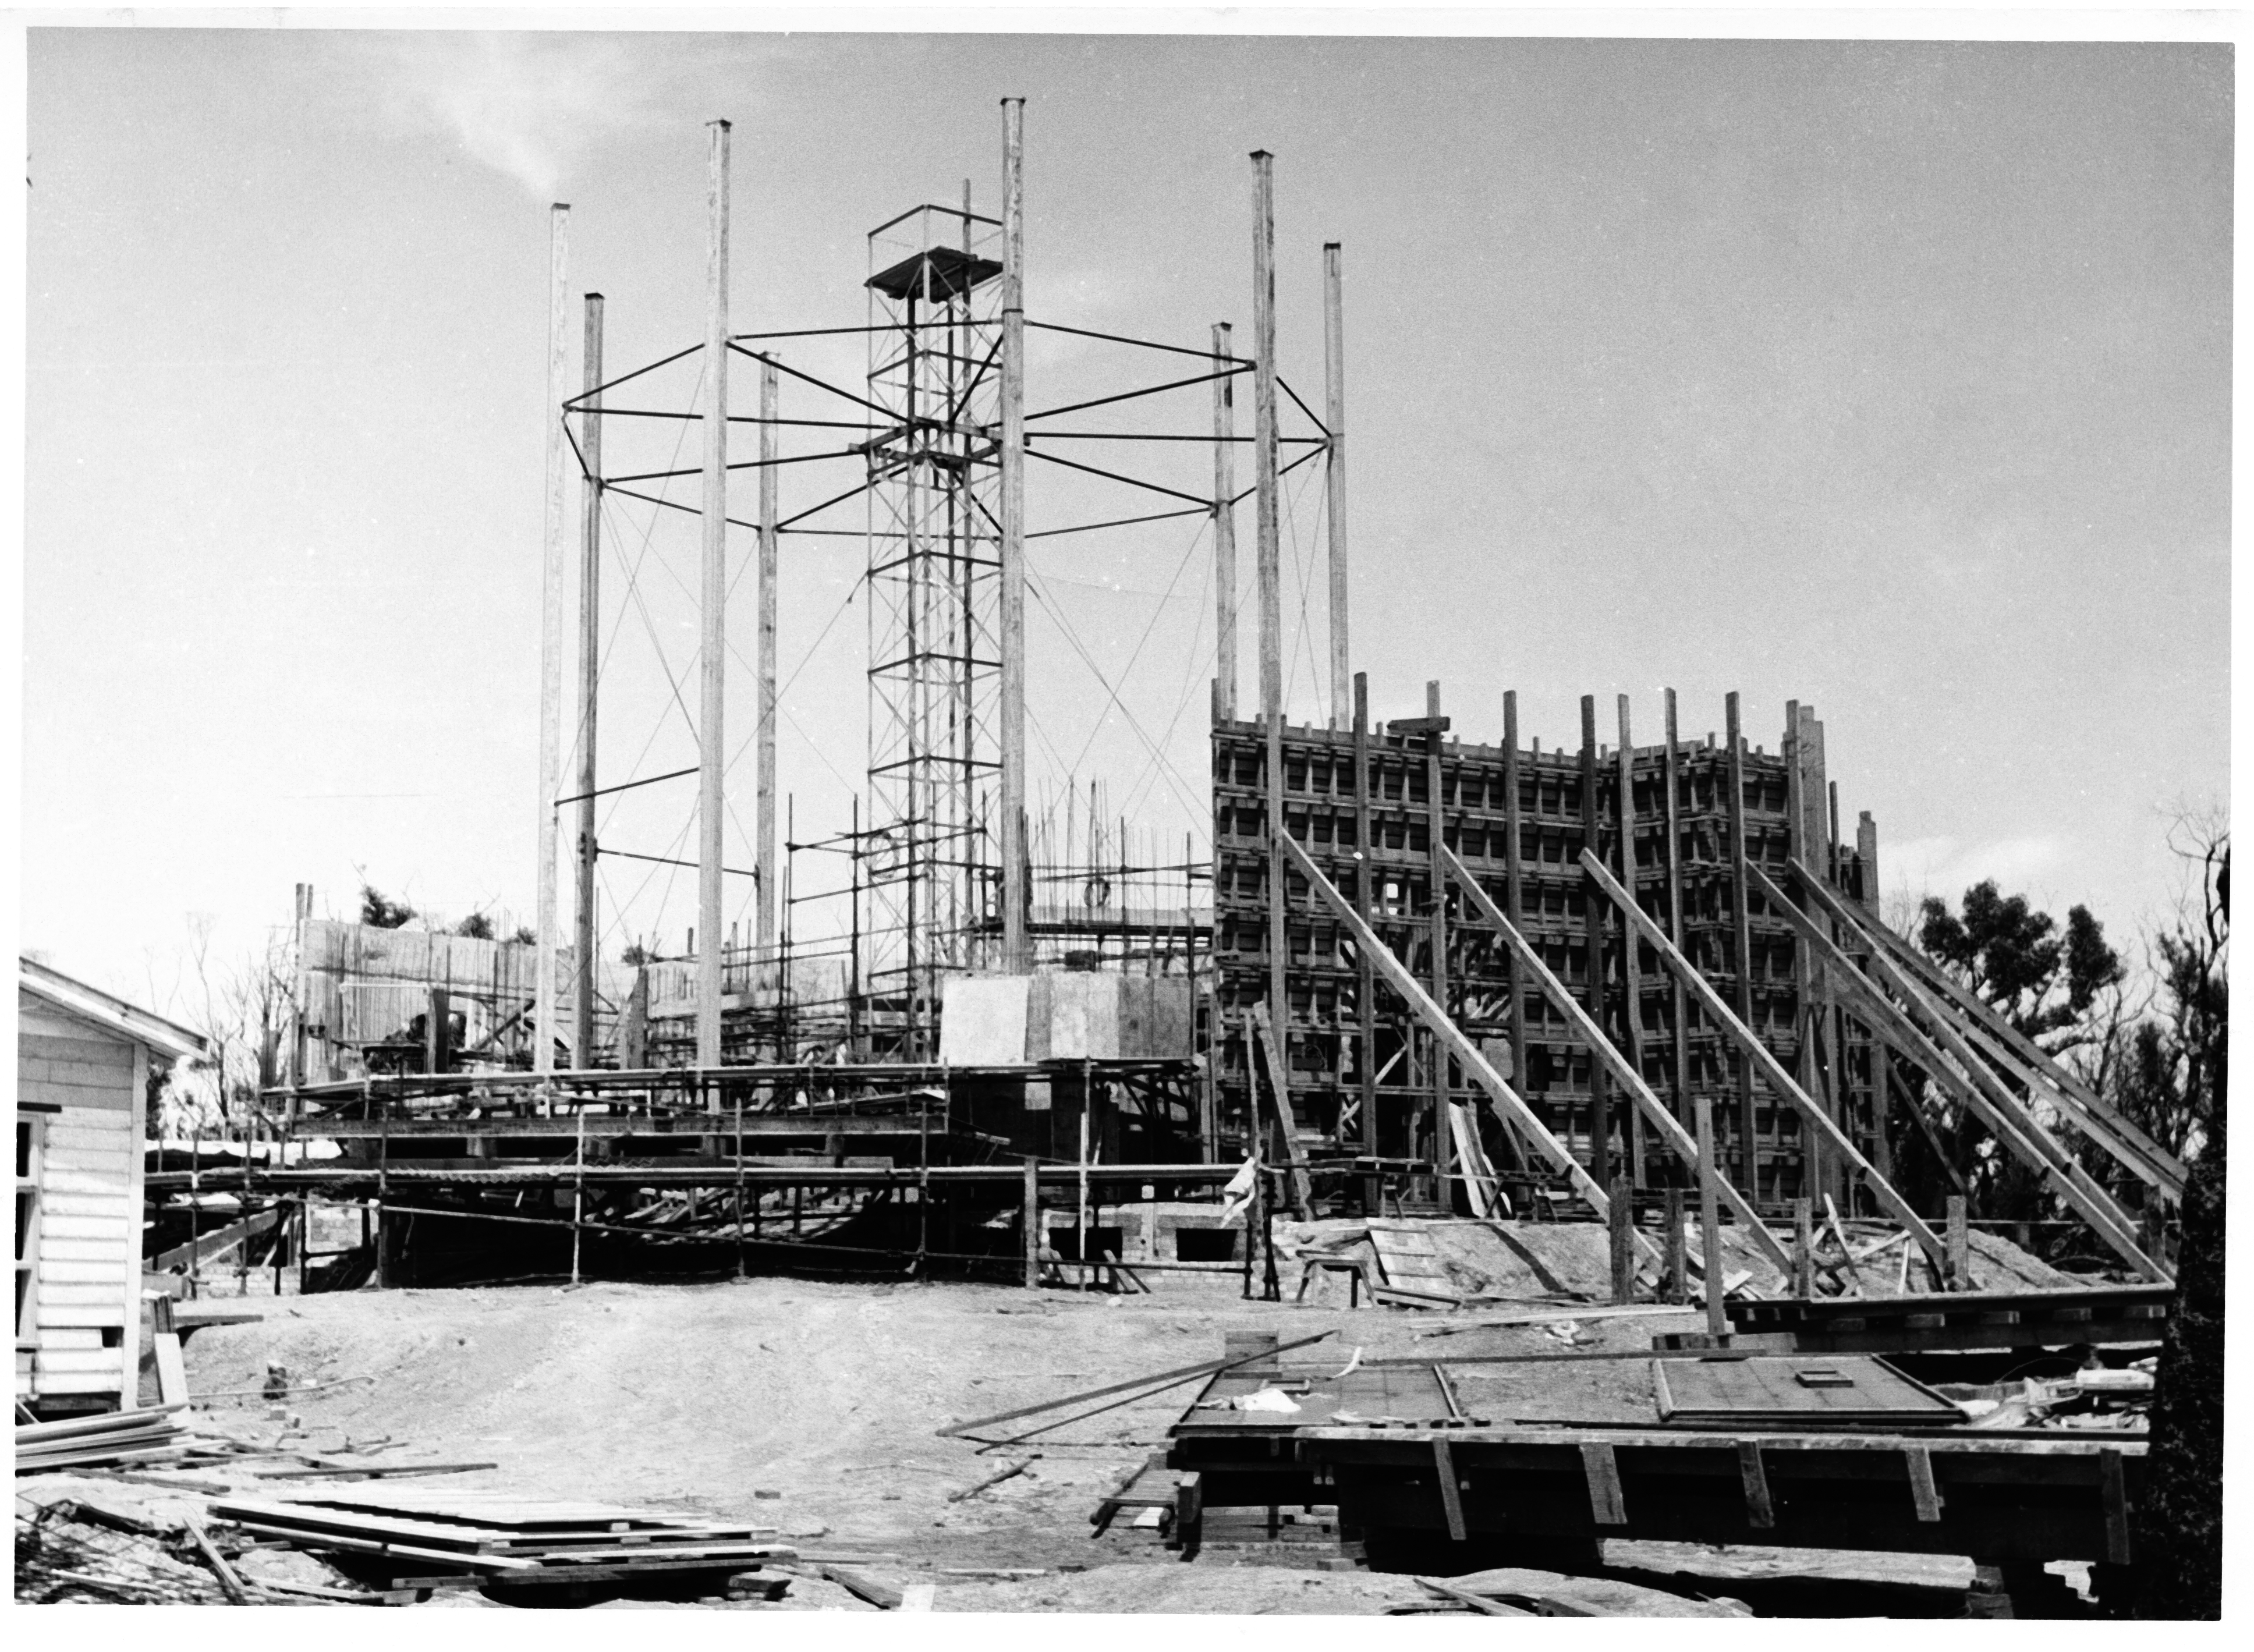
[
  {"x": 2179, "y": 1535},
  {"x": 524, "y": 937},
  {"x": 476, "y": 927},
  {"x": 379, "y": 913},
  {"x": 2062, "y": 990},
  {"x": 636, "y": 953}
]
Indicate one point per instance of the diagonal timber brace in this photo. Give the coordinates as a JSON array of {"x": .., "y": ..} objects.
[
  {"x": 1976, "y": 1086},
  {"x": 1812, "y": 1118},
  {"x": 2130, "y": 1147},
  {"x": 1668, "y": 1127},
  {"x": 1508, "y": 1101}
]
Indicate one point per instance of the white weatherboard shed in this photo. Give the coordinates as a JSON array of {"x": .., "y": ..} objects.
[{"x": 82, "y": 1065}]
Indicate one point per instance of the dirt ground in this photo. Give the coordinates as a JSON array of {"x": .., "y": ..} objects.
[{"x": 814, "y": 1407}]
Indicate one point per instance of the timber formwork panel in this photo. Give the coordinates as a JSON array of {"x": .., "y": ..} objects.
[{"x": 1324, "y": 1046}]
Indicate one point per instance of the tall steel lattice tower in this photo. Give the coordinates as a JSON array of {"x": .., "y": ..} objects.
[{"x": 929, "y": 859}]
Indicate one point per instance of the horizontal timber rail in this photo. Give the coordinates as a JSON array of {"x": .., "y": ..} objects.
[{"x": 722, "y": 1172}]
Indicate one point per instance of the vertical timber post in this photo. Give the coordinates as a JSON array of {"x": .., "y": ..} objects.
[
  {"x": 1267, "y": 557},
  {"x": 1710, "y": 1223},
  {"x": 1436, "y": 822},
  {"x": 1016, "y": 956},
  {"x": 1882, "y": 1048},
  {"x": 551, "y": 639},
  {"x": 590, "y": 648},
  {"x": 1678, "y": 1255},
  {"x": 713, "y": 654},
  {"x": 1032, "y": 1221},
  {"x": 1681, "y": 1021},
  {"x": 1621, "y": 1219},
  {"x": 1631, "y": 975},
  {"x": 1224, "y": 526},
  {"x": 1365, "y": 979},
  {"x": 1334, "y": 471},
  {"x": 1513, "y": 884},
  {"x": 764, "y": 865},
  {"x": 1741, "y": 941},
  {"x": 1594, "y": 904}
]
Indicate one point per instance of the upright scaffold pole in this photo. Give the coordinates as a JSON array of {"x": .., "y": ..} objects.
[
  {"x": 551, "y": 640},
  {"x": 590, "y": 647},
  {"x": 1270, "y": 592},
  {"x": 1016, "y": 954},
  {"x": 763, "y": 934},
  {"x": 1334, "y": 504},
  {"x": 1224, "y": 525},
  {"x": 710, "y": 753}
]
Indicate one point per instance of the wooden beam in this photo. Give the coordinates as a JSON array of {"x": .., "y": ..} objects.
[
  {"x": 2135, "y": 1152},
  {"x": 1334, "y": 470},
  {"x": 1365, "y": 867},
  {"x": 551, "y": 641},
  {"x": 1010, "y": 841},
  {"x": 712, "y": 609},
  {"x": 1976, "y": 1086},
  {"x": 1812, "y": 1116},
  {"x": 1224, "y": 526},
  {"x": 1508, "y": 1101},
  {"x": 1514, "y": 894},
  {"x": 1673, "y": 781},
  {"x": 1436, "y": 826},
  {"x": 590, "y": 648},
  {"x": 1279, "y": 1091},
  {"x": 1742, "y": 942},
  {"x": 1601, "y": 1123},
  {"x": 1631, "y": 979},
  {"x": 1605, "y": 1053},
  {"x": 1716, "y": 1286}
]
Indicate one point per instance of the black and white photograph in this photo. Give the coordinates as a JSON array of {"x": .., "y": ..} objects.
[{"x": 1358, "y": 813}]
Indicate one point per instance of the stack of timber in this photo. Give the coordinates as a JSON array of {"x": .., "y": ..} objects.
[
  {"x": 461, "y": 1539},
  {"x": 88, "y": 1442}
]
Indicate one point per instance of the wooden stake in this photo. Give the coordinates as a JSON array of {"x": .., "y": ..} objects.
[
  {"x": 1710, "y": 1223},
  {"x": 1622, "y": 1233}
]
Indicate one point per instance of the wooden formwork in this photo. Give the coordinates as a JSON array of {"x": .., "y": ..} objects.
[{"x": 1362, "y": 1076}]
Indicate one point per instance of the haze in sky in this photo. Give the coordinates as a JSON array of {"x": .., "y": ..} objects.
[{"x": 1893, "y": 378}]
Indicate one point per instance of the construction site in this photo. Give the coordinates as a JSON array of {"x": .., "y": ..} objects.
[{"x": 1457, "y": 1180}]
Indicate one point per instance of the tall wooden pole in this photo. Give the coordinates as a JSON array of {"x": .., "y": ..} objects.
[
  {"x": 710, "y": 803},
  {"x": 1741, "y": 942},
  {"x": 1365, "y": 997},
  {"x": 764, "y": 932},
  {"x": 1224, "y": 526},
  {"x": 1600, "y": 1119},
  {"x": 1017, "y": 955},
  {"x": 1267, "y": 557},
  {"x": 1631, "y": 977},
  {"x": 590, "y": 647},
  {"x": 1435, "y": 828},
  {"x": 1334, "y": 415},
  {"x": 1512, "y": 880},
  {"x": 1710, "y": 1223},
  {"x": 1672, "y": 776},
  {"x": 551, "y": 639}
]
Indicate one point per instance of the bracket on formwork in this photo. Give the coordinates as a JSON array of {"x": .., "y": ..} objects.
[
  {"x": 1812, "y": 1116},
  {"x": 1515, "y": 1111},
  {"x": 2027, "y": 1063},
  {"x": 1588, "y": 1032},
  {"x": 1295, "y": 1180},
  {"x": 1972, "y": 1080}
]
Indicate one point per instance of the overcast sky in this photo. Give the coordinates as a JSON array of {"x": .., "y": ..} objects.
[{"x": 1893, "y": 378}]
